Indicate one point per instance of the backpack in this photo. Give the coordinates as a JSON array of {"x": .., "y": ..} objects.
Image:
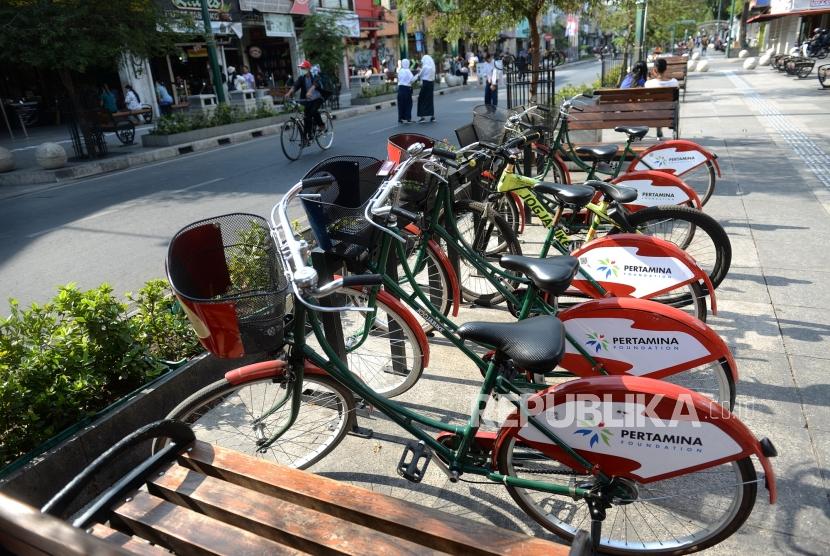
[{"x": 326, "y": 86}]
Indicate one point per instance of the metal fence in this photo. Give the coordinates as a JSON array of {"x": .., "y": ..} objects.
[
  {"x": 520, "y": 82},
  {"x": 614, "y": 68}
]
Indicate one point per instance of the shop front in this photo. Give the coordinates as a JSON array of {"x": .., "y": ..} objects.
[{"x": 789, "y": 22}]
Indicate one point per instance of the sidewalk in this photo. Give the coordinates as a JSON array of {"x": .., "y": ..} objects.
[
  {"x": 771, "y": 133},
  {"x": 28, "y": 173}
]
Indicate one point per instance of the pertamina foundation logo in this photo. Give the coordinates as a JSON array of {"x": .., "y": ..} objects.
[
  {"x": 594, "y": 433},
  {"x": 597, "y": 341},
  {"x": 608, "y": 267}
]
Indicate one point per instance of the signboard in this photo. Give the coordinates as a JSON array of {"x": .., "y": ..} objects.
[
  {"x": 196, "y": 51},
  {"x": 278, "y": 25},
  {"x": 572, "y": 26},
  {"x": 523, "y": 30},
  {"x": 214, "y": 5},
  {"x": 819, "y": 3},
  {"x": 266, "y": 6},
  {"x": 780, "y": 6},
  {"x": 350, "y": 25}
]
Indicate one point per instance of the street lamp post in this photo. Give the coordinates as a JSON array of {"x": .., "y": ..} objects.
[
  {"x": 214, "y": 59},
  {"x": 640, "y": 28},
  {"x": 729, "y": 34}
]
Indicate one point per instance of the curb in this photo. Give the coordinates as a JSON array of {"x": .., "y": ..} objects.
[{"x": 85, "y": 170}]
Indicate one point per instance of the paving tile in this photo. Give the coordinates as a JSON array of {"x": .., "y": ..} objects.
[
  {"x": 798, "y": 287},
  {"x": 744, "y": 283},
  {"x": 747, "y": 325},
  {"x": 766, "y": 391},
  {"x": 806, "y": 330}
]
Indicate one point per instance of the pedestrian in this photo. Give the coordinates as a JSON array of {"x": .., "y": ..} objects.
[
  {"x": 426, "y": 107},
  {"x": 232, "y": 75},
  {"x": 107, "y": 99},
  {"x": 637, "y": 77},
  {"x": 659, "y": 79},
  {"x": 463, "y": 70},
  {"x": 491, "y": 93},
  {"x": 405, "y": 79},
  {"x": 485, "y": 68},
  {"x": 164, "y": 99},
  {"x": 250, "y": 82},
  {"x": 310, "y": 97}
]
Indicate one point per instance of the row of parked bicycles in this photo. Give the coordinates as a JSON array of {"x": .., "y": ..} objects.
[
  {"x": 801, "y": 66},
  {"x": 622, "y": 394}
]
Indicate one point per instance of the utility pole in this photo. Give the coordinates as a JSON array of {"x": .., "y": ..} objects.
[
  {"x": 729, "y": 35},
  {"x": 640, "y": 29},
  {"x": 403, "y": 38},
  {"x": 214, "y": 59}
]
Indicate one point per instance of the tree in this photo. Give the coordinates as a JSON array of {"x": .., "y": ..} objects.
[
  {"x": 69, "y": 36},
  {"x": 323, "y": 41},
  {"x": 482, "y": 20}
]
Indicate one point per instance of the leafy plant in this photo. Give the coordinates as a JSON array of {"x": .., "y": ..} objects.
[
  {"x": 223, "y": 115},
  {"x": 160, "y": 323},
  {"x": 250, "y": 265},
  {"x": 323, "y": 40}
]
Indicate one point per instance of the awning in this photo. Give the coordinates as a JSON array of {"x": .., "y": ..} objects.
[{"x": 796, "y": 13}]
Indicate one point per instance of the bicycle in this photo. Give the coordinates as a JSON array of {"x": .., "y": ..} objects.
[
  {"x": 293, "y": 137},
  {"x": 563, "y": 471}
]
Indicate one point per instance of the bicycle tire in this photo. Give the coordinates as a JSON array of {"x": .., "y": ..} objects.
[
  {"x": 468, "y": 276},
  {"x": 696, "y": 485},
  {"x": 715, "y": 263},
  {"x": 372, "y": 357},
  {"x": 702, "y": 179},
  {"x": 434, "y": 281},
  {"x": 319, "y": 137},
  {"x": 291, "y": 133},
  {"x": 210, "y": 410}
]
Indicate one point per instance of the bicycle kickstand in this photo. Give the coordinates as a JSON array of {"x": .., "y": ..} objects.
[{"x": 596, "y": 506}]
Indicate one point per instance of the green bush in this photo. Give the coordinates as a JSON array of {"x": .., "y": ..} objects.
[
  {"x": 73, "y": 356},
  {"x": 224, "y": 114}
]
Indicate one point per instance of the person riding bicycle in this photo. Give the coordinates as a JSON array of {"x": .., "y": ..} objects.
[{"x": 309, "y": 87}]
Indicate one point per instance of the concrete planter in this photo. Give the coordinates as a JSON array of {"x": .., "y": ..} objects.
[
  {"x": 362, "y": 101},
  {"x": 207, "y": 133},
  {"x": 39, "y": 480}
]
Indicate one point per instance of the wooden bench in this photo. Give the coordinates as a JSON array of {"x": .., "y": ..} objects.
[
  {"x": 118, "y": 122},
  {"x": 677, "y": 68},
  {"x": 215, "y": 501},
  {"x": 658, "y": 107}
]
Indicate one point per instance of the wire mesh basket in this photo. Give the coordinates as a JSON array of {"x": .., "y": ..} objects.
[
  {"x": 337, "y": 217},
  {"x": 544, "y": 122},
  {"x": 489, "y": 121},
  {"x": 418, "y": 187},
  {"x": 226, "y": 274}
]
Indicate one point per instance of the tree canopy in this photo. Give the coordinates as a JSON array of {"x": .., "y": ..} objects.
[
  {"x": 74, "y": 35},
  {"x": 323, "y": 40}
]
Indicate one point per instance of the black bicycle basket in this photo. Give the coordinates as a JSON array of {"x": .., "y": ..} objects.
[
  {"x": 226, "y": 274},
  {"x": 488, "y": 122},
  {"x": 337, "y": 217},
  {"x": 418, "y": 188}
]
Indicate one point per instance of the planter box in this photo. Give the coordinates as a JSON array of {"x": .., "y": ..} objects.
[
  {"x": 150, "y": 140},
  {"x": 362, "y": 101},
  {"x": 36, "y": 482}
]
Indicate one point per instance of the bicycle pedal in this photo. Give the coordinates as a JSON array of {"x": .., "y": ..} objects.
[{"x": 414, "y": 461}]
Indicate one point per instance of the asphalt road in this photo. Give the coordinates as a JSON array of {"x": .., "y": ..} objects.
[{"x": 115, "y": 228}]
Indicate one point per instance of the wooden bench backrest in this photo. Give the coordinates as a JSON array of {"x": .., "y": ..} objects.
[
  {"x": 640, "y": 94},
  {"x": 652, "y": 107},
  {"x": 677, "y": 67}
]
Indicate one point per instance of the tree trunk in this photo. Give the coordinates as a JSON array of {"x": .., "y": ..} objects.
[
  {"x": 535, "y": 48},
  {"x": 80, "y": 116},
  {"x": 742, "y": 28}
]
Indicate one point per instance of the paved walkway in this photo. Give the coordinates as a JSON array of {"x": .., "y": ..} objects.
[{"x": 771, "y": 133}]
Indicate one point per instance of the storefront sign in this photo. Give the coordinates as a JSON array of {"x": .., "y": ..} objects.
[
  {"x": 781, "y": 6},
  {"x": 350, "y": 25},
  {"x": 214, "y": 5},
  {"x": 266, "y": 6},
  {"x": 523, "y": 30},
  {"x": 820, "y": 3},
  {"x": 277, "y": 25},
  {"x": 196, "y": 51}
]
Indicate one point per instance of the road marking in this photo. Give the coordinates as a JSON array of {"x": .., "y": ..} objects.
[
  {"x": 124, "y": 206},
  {"x": 469, "y": 99},
  {"x": 815, "y": 159},
  {"x": 385, "y": 129}
]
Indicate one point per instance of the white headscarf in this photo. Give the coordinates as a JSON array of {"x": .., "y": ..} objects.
[
  {"x": 405, "y": 76},
  {"x": 428, "y": 68}
]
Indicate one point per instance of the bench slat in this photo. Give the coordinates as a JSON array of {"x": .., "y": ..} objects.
[
  {"x": 273, "y": 518},
  {"x": 596, "y": 124},
  {"x": 609, "y": 117},
  {"x": 131, "y": 544},
  {"x": 189, "y": 532},
  {"x": 431, "y": 528},
  {"x": 626, "y": 107}
]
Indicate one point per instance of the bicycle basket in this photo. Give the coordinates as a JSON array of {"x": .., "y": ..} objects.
[
  {"x": 488, "y": 122},
  {"x": 337, "y": 217},
  {"x": 397, "y": 144},
  {"x": 225, "y": 273}
]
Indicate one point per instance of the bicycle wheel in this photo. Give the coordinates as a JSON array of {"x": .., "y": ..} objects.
[
  {"x": 291, "y": 139},
  {"x": 697, "y": 233},
  {"x": 325, "y": 138},
  {"x": 386, "y": 356},
  {"x": 507, "y": 208},
  {"x": 673, "y": 516},
  {"x": 482, "y": 231},
  {"x": 702, "y": 180},
  {"x": 433, "y": 280},
  {"x": 228, "y": 415}
]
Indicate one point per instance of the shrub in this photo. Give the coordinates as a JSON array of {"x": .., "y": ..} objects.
[
  {"x": 71, "y": 357},
  {"x": 224, "y": 114}
]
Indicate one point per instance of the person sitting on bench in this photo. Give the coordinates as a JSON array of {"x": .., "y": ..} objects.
[{"x": 659, "y": 79}]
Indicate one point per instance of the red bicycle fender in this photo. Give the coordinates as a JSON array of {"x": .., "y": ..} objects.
[
  {"x": 681, "y": 145},
  {"x": 712, "y": 435},
  {"x": 646, "y": 246},
  {"x": 410, "y": 319},
  {"x": 617, "y": 307},
  {"x": 266, "y": 369},
  {"x": 444, "y": 261},
  {"x": 670, "y": 180},
  {"x": 521, "y": 208}
]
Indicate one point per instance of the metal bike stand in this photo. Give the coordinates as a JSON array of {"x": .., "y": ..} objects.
[
  {"x": 327, "y": 266},
  {"x": 397, "y": 342}
]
